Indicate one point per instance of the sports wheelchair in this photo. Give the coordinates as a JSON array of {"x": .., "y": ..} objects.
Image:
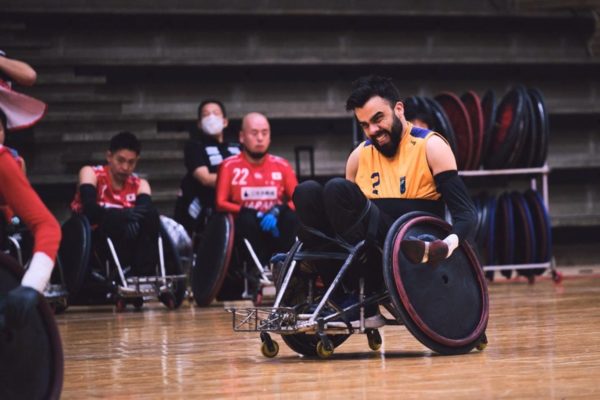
[
  {"x": 444, "y": 305},
  {"x": 17, "y": 242},
  {"x": 31, "y": 358},
  {"x": 94, "y": 273},
  {"x": 222, "y": 261}
]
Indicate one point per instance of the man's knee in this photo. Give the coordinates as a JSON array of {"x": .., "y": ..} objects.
[
  {"x": 306, "y": 194},
  {"x": 340, "y": 191},
  {"x": 342, "y": 195}
]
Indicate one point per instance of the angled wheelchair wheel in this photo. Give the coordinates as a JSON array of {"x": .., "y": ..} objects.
[
  {"x": 444, "y": 305},
  {"x": 74, "y": 254},
  {"x": 212, "y": 258},
  {"x": 295, "y": 296},
  {"x": 31, "y": 359},
  {"x": 173, "y": 266}
]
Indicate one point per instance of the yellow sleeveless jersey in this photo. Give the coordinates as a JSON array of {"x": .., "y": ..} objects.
[{"x": 406, "y": 175}]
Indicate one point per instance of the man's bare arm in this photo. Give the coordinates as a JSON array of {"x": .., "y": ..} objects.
[
  {"x": 18, "y": 71},
  {"x": 205, "y": 177},
  {"x": 352, "y": 164}
]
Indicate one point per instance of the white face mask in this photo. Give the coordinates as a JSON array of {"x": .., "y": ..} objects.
[{"x": 212, "y": 124}]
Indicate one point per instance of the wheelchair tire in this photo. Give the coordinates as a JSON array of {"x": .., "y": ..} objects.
[
  {"x": 212, "y": 258},
  {"x": 301, "y": 343},
  {"x": 445, "y": 305},
  {"x": 173, "y": 266},
  {"x": 74, "y": 255},
  {"x": 31, "y": 359}
]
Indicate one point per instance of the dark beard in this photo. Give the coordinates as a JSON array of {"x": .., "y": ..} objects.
[
  {"x": 389, "y": 150},
  {"x": 255, "y": 155}
]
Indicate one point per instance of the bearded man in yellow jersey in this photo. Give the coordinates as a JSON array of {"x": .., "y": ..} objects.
[{"x": 398, "y": 169}]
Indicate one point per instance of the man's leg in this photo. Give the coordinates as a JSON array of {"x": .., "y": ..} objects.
[
  {"x": 247, "y": 227},
  {"x": 310, "y": 210},
  {"x": 351, "y": 214},
  {"x": 287, "y": 224},
  {"x": 355, "y": 218},
  {"x": 146, "y": 245}
]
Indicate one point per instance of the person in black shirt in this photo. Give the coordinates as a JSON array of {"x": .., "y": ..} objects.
[{"x": 202, "y": 156}]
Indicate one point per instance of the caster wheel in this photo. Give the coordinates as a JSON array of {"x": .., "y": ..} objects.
[
  {"x": 138, "y": 303},
  {"x": 120, "y": 305},
  {"x": 271, "y": 350},
  {"x": 58, "y": 307},
  {"x": 557, "y": 277},
  {"x": 374, "y": 339},
  {"x": 168, "y": 300},
  {"x": 482, "y": 343},
  {"x": 324, "y": 351},
  {"x": 258, "y": 299}
]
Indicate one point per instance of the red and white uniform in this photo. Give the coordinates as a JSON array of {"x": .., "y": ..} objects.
[
  {"x": 257, "y": 186},
  {"x": 4, "y": 208},
  {"x": 106, "y": 195},
  {"x": 17, "y": 193}
]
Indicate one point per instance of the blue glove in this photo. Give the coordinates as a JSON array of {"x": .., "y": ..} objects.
[{"x": 268, "y": 222}]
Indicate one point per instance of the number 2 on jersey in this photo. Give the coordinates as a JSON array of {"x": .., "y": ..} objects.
[{"x": 376, "y": 181}]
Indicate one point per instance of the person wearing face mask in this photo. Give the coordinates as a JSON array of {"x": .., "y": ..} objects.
[
  {"x": 256, "y": 187},
  {"x": 202, "y": 156}
]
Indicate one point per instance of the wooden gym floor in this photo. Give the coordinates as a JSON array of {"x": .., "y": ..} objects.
[{"x": 544, "y": 344}]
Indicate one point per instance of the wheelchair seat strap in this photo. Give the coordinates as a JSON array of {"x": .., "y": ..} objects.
[{"x": 369, "y": 211}]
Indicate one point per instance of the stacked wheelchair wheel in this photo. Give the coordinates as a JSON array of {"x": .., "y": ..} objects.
[
  {"x": 482, "y": 132},
  {"x": 513, "y": 228}
]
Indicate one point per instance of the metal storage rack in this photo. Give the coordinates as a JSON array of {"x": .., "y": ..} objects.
[{"x": 540, "y": 173}]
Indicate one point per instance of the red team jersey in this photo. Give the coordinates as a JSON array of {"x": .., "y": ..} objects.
[
  {"x": 16, "y": 192},
  {"x": 257, "y": 186},
  {"x": 106, "y": 195},
  {"x": 4, "y": 208}
]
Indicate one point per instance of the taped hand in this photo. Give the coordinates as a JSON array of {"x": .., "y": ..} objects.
[{"x": 421, "y": 251}]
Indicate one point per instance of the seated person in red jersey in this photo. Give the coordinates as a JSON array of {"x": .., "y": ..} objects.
[
  {"x": 18, "y": 195},
  {"x": 118, "y": 204},
  {"x": 24, "y": 111},
  {"x": 257, "y": 188}
]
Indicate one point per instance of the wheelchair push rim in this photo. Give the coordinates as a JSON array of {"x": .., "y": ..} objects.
[
  {"x": 445, "y": 305},
  {"x": 31, "y": 359},
  {"x": 212, "y": 258}
]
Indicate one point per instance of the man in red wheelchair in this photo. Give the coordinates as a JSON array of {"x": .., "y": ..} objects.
[
  {"x": 257, "y": 188},
  {"x": 118, "y": 204}
]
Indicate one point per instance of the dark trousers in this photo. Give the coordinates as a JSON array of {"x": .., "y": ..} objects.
[
  {"x": 247, "y": 226},
  {"x": 338, "y": 209},
  {"x": 141, "y": 252}
]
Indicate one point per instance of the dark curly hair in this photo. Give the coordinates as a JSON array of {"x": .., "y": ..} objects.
[{"x": 369, "y": 86}]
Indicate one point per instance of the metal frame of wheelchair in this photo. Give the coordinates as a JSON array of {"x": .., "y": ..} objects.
[
  {"x": 208, "y": 280},
  {"x": 123, "y": 289},
  {"x": 56, "y": 291},
  {"x": 319, "y": 332},
  {"x": 264, "y": 281}
]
